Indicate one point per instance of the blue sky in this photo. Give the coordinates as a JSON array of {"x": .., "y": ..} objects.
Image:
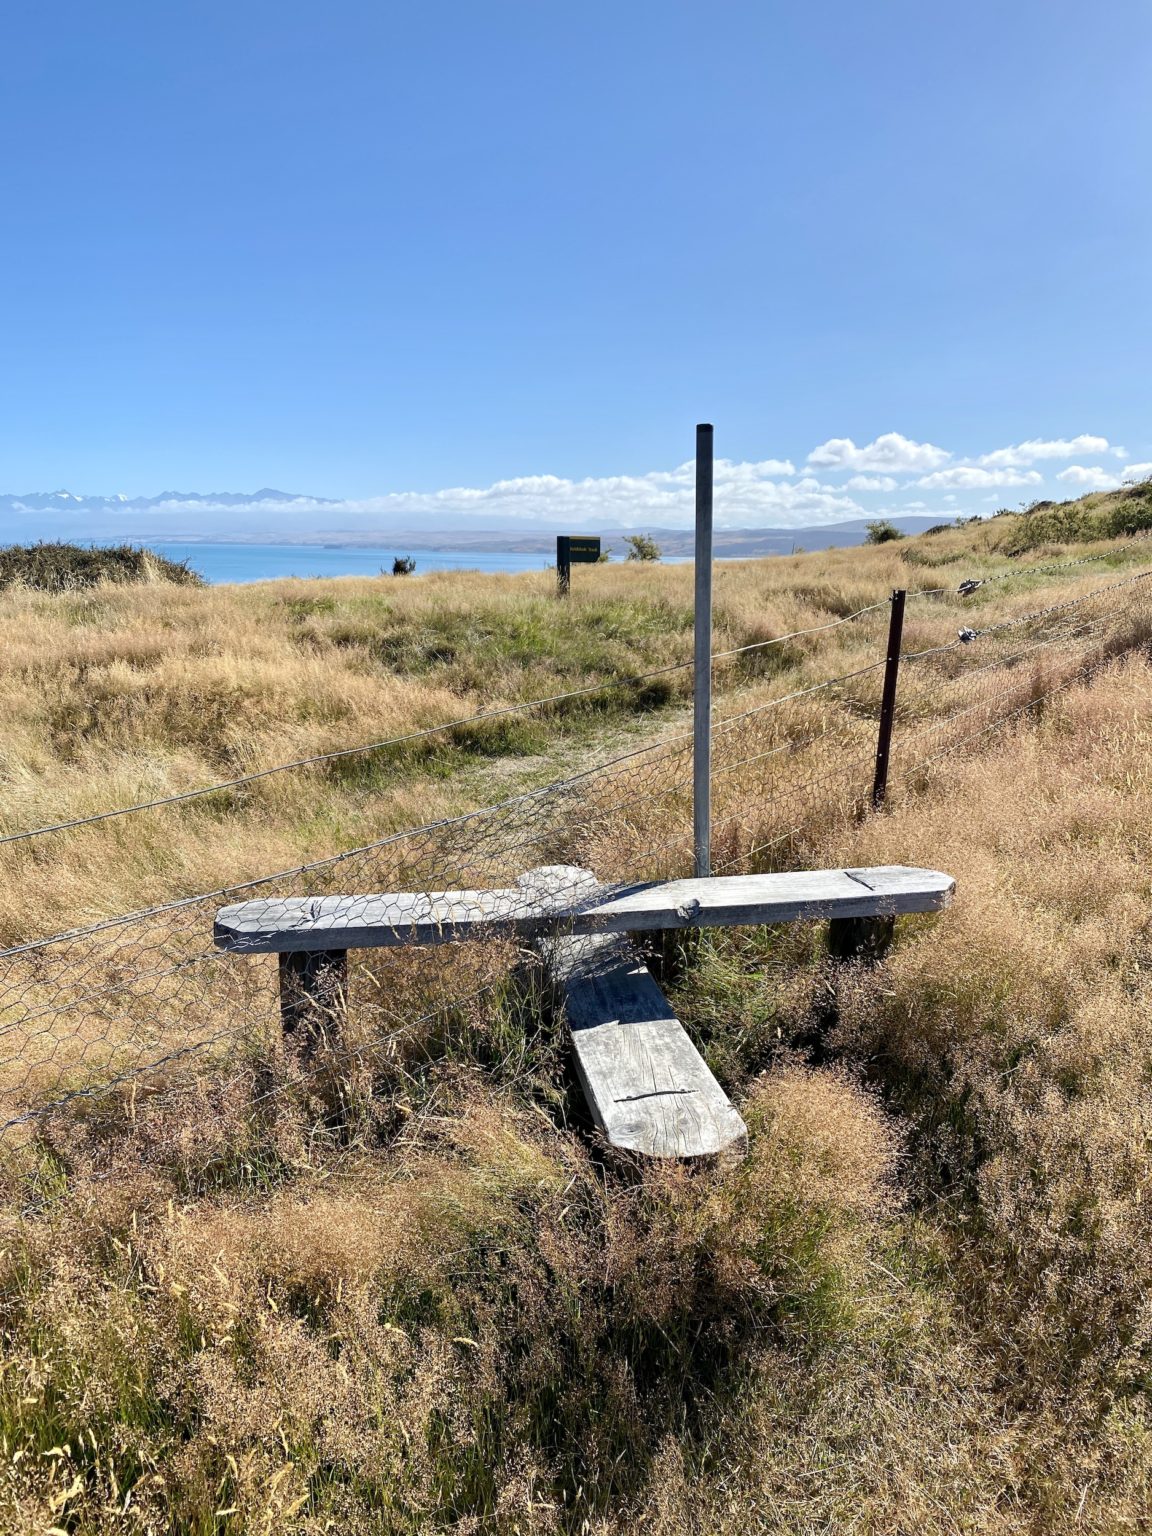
[{"x": 366, "y": 250}]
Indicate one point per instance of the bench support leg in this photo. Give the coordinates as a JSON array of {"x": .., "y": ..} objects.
[
  {"x": 313, "y": 997},
  {"x": 860, "y": 938}
]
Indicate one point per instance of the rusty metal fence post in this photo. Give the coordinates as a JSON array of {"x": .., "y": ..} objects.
[{"x": 888, "y": 698}]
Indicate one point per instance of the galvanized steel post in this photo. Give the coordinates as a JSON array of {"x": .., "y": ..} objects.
[{"x": 702, "y": 696}]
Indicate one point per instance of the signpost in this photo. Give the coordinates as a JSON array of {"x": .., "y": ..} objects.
[
  {"x": 573, "y": 549},
  {"x": 702, "y": 700}
]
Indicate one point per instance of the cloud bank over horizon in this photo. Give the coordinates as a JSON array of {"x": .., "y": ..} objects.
[{"x": 839, "y": 481}]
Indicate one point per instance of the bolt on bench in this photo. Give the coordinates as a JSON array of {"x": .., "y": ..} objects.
[{"x": 647, "y": 1085}]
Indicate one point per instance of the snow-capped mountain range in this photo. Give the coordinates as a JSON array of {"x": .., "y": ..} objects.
[
  {"x": 57, "y": 501},
  {"x": 267, "y": 514}
]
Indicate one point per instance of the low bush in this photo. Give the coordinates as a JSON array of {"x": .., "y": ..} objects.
[
  {"x": 641, "y": 546},
  {"x": 1107, "y": 515},
  {"x": 883, "y": 532}
]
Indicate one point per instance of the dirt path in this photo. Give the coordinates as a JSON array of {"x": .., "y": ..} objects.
[{"x": 497, "y": 780}]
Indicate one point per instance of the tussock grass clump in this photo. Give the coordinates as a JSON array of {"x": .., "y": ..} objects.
[
  {"x": 471, "y": 1323},
  {"x": 1018, "y": 1034},
  {"x": 71, "y": 567},
  {"x": 1013, "y": 1038}
]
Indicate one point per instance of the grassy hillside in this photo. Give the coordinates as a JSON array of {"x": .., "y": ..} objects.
[
  {"x": 920, "y": 1306},
  {"x": 124, "y": 694}
]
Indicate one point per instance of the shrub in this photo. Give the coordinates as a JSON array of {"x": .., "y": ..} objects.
[
  {"x": 403, "y": 565},
  {"x": 883, "y": 532},
  {"x": 642, "y": 546},
  {"x": 1119, "y": 514},
  {"x": 1133, "y": 512}
]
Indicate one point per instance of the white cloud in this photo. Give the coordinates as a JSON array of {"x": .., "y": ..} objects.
[
  {"x": 756, "y": 470},
  {"x": 728, "y": 470},
  {"x": 871, "y": 483},
  {"x": 750, "y": 493},
  {"x": 968, "y": 477},
  {"x": 1037, "y": 448},
  {"x": 747, "y": 495},
  {"x": 1089, "y": 477},
  {"x": 889, "y": 451}
]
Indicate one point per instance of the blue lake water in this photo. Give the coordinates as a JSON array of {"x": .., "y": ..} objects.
[{"x": 265, "y": 562}]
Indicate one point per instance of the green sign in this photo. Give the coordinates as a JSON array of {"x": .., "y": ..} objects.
[
  {"x": 582, "y": 550},
  {"x": 573, "y": 549}
]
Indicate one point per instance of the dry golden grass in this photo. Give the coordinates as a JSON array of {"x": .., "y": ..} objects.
[
  {"x": 126, "y": 694},
  {"x": 329, "y": 662},
  {"x": 1019, "y": 1033},
  {"x": 409, "y": 1294}
]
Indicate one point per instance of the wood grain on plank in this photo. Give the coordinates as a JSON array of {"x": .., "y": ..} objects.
[{"x": 648, "y": 1087}]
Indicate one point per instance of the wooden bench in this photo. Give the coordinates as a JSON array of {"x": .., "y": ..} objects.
[{"x": 647, "y": 1085}]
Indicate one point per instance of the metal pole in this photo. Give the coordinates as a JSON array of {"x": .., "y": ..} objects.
[
  {"x": 702, "y": 698},
  {"x": 888, "y": 698},
  {"x": 563, "y": 565}
]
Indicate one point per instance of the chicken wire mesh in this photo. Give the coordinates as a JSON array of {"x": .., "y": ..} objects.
[{"x": 149, "y": 1000}]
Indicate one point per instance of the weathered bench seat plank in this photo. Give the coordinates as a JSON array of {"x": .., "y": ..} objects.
[
  {"x": 284, "y": 924},
  {"x": 647, "y": 1086}
]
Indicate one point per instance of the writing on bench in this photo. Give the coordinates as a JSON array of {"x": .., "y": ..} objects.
[{"x": 647, "y": 1085}]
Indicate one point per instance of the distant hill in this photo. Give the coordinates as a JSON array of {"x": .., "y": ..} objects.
[
  {"x": 728, "y": 543},
  {"x": 270, "y": 516}
]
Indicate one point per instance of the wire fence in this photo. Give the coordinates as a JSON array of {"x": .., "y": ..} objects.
[{"x": 140, "y": 1002}]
